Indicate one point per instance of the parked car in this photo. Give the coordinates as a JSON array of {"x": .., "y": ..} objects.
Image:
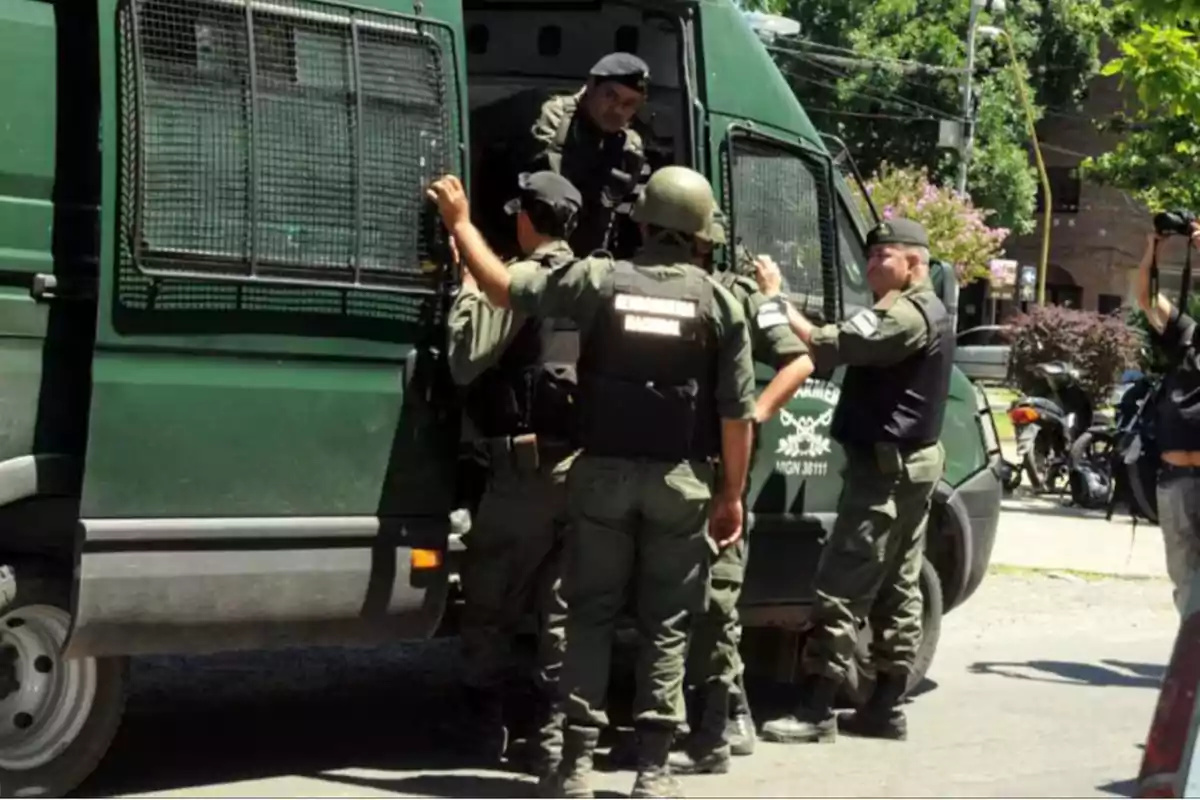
[{"x": 982, "y": 352}]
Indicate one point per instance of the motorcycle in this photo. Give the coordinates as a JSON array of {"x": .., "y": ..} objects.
[
  {"x": 1047, "y": 423},
  {"x": 1105, "y": 460}
]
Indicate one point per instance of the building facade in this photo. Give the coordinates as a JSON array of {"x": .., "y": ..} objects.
[{"x": 1097, "y": 234}]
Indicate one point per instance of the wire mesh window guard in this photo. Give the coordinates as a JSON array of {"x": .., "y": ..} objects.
[
  {"x": 780, "y": 206},
  {"x": 280, "y": 142}
]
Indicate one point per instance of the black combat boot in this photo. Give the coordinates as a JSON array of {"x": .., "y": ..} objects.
[
  {"x": 476, "y": 728},
  {"x": 572, "y": 778},
  {"x": 813, "y": 720},
  {"x": 543, "y": 751},
  {"x": 740, "y": 730},
  {"x": 706, "y": 751},
  {"x": 654, "y": 778},
  {"x": 881, "y": 717}
]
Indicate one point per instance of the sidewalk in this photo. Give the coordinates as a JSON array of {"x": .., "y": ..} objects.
[{"x": 1041, "y": 533}]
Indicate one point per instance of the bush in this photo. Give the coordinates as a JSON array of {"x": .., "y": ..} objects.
[
  {"x": 958, "y": 231},
  {"x": 1101, "y": 346}
]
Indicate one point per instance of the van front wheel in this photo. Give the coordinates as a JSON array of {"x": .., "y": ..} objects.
[
  {"x": 860, "y": 683},
  {"x": 57, "y": 716}
]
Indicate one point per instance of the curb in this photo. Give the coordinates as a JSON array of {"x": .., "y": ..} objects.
[{"x": 1070, "y": 575}]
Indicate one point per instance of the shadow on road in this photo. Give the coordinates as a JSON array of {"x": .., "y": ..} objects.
[
  {"x": 1126, "y": 788},
  {"x": 1107, "y": 673},
  {"x": 247, "y": 741},
  {"x": 435, "y": 785}
]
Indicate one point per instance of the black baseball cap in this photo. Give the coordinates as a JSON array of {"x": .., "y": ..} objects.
[
  {"x": 623, "y": 68},
  {"x": 898, "y": 231},
  {"x": 546, "y": 187}
]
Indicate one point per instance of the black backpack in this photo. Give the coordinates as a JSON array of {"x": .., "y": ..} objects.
[{"x": 1135, "y": 458}]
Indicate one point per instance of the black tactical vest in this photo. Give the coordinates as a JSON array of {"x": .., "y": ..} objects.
[
  {"x": 647, "y": 370},
  {"x": 588, "y": 157},
  {"x": 532, "y": 388},
  {"x": 903, "y": 403}
]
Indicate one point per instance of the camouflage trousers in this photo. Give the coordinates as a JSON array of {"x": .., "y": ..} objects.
[
  {"x": 637, "y": 529},
  {"x": 713, "y": 654},
  {"x": 870, "y": 567},
  {"x": 513, "y": 562}
]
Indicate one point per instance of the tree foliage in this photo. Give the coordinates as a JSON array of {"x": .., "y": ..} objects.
[
  {"x": 957, "y": 229},
  {"x": 1158, "y": 157},
  {"x": 844, "y": 68}
]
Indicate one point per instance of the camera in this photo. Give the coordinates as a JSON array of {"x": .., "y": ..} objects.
[{"x": 1177, "y": 222}]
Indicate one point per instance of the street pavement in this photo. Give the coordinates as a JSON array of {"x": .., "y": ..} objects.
[{"x": 1042, "y": 686}]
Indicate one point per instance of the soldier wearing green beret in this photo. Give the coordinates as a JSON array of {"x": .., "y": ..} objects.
[{"x": 898, "y": 357}]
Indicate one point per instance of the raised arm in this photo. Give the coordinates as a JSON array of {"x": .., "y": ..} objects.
[{"x": 1157, "y": 309}]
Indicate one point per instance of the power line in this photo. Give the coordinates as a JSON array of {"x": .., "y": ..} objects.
[
  {"x": 843, "y": 75},
  {"x": 887, "y": 60},
  {"x": 869, "y": 115},
  {"x": 892, "y": 99}
]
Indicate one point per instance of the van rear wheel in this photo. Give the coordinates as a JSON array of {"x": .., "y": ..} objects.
[
  {"x": 57, "y": 716},
  {"x": 860, "y": 682}
]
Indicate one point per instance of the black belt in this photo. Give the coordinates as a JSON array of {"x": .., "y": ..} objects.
[
  {"x": 1176, "y": 471},
  {"x": 904, "y": 448},
  {"x": 526, "y": 452}
]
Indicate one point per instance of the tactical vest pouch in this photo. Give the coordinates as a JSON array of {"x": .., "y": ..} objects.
[
  {"x": 659, "y": 422},
  {"x": 525, "y": 454},
  {"x": 554, "y": 403}
]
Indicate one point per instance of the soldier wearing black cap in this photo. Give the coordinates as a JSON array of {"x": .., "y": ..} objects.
[
  {"x": 898, "y": 356},
  {"x": 520, "y": 371},
  {"x": 587, "y": 138}
]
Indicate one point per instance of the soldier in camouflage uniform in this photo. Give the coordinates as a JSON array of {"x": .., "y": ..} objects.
[
  {"x": 666, "y": 389},
  {"x": 520, "y": 374},
  {"x": 888, "y": 420},
  {"x": 587, "y": 137},
  {"x": 725, "y": 726}
]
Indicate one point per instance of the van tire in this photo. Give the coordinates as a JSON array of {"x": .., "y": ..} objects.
[
  {"x": 860, "y": 682},
  {"x": 35, "y": 599}
]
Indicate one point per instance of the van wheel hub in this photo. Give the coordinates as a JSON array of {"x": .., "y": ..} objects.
[{"x": 44, "y": 699}]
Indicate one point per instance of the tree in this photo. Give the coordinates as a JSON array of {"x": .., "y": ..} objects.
[
  {"x": 883, "y": 73},
  {"x": 1158, "y": 157},
  {"x": 957, "y": 229}
]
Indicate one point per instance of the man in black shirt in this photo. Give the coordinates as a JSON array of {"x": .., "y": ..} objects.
[{"x": 1178, "y": 427}]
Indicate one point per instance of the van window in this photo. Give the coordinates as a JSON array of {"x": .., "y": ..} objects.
[
  {"x": 856, "y": 294},
  {"x": 777, "y": 204},
  {"x": 282, "y": 144}
]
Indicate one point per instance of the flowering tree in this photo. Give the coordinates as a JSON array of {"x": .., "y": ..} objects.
[{"x": 958, "y": 232}]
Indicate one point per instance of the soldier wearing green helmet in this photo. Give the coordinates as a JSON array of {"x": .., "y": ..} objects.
[{"x": 666, "y": 394}]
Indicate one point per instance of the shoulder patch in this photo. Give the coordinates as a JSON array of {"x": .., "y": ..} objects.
[
  {"x": 771, "y": 314},
  {"x": 887, "y": 301},
  {"x": 864, "y": 323}
]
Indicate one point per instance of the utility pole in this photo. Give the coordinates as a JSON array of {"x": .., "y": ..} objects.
[{"x": 968, "y": 108}]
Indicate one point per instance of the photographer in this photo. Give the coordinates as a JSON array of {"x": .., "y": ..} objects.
[{"x": 1178, "y": 411}]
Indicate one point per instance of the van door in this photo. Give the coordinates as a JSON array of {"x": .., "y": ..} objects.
[
  {"x": 271, "y": 442},
  {"x": 778, "y": 193}
]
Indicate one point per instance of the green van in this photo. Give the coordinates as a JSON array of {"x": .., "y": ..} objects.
[{"x": 225, "y": 421}]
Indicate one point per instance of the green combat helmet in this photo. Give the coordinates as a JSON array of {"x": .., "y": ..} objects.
[{"x": 679, "y": 199}]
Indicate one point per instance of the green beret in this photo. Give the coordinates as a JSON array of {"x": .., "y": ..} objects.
[{"x": 898, "y": 231}]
